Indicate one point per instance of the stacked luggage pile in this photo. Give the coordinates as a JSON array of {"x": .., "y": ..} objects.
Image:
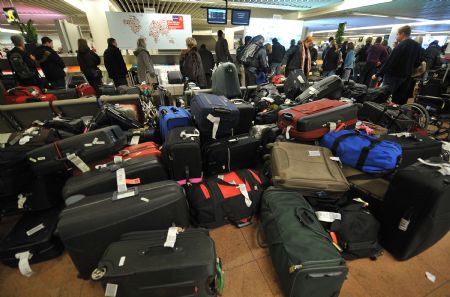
[{"x": 328, "y": 182}]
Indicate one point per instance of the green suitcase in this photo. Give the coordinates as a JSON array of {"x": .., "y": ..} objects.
[{"x": 303, "y": 254}]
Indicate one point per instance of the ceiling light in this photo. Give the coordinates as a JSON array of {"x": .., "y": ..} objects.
[
  {"x": 371, "y": 15},
  {"x": 411, "y": 19},
  {"x": 42, "y": 14},
  {"x": 3, "y": 30}
]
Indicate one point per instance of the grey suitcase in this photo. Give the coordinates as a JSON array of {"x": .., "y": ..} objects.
[{"x": 225, "y": 81}]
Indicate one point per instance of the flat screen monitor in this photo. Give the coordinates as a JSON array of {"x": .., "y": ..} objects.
[
  {"x": 216, "y": 16},
  {"x": 11, "y": 15},
  {"x": 240, "y": 17}
]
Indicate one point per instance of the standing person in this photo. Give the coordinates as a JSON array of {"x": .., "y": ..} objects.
[
  {"x": 51, "y": 64},
  {"x": 268, "y": 48},
  {"x": 222, "y": 52},
  {"x": 400, "y": 65},
  {"x": 299, "y": 57},
  {"x": 191, "y": 64},
  {"x": 331, "y": 60},
  {"x": 145, "y": 69},
  {"x": 327, "y": 47},
  {"x": 361, "y": 57},
  {"x": 388, "y": 48},
  {"x": 433, "y": 55},
  {"x": 208, "y": 63},
  {"x": 292, "y": 44},
  {"x": 256, "y": 54},
  {"x": 239, "y": 53},
  {"x": 114, "y": 63},
  {"x": 89, "y": 61},
  {"x": 376, "y": 56},
  {"x": 22, "y": 64},
  {"x": 349, "y": 62},
  {"x": 278, "y": 52},
  {"x": 343, "y": 50}
]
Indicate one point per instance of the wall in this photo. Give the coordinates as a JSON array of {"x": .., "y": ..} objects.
[{"x": 283, "y": 30}]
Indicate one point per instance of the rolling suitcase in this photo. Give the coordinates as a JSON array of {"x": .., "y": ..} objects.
[
  {"x": 89, "y": 226},
  {"x": 247, "y": 114},
  {"x": 330, "y": 87},
  {"x": 175, "y": 77},
  {"x": 171, "y": 117},
  {"x": 148, "y": 148},
  {"x": 189, "y": 268},
  {"x": 182, "y": 155},
  {"x": 63, "y": 94},
  {"x": 228, "y": 154},
  {"x": 303, "y": 254},
  {"x": 225, "y": 81},
  {"x": 75, "y": 151},
  {"x": 308, "y": 169},
  {"x": 391, "y": 118},
  {"x": 113, "y": 115},
  {"x": 311, "y": 121}
]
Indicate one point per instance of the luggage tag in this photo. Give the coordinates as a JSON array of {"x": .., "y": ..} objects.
[
  {"x": 135, "y": 139},
  {"x": 216, "y": 122},
  {"x": 4, "y": 137},
  {"x": 329, "y": 217},
  {"x": 313, "y": 91},
  {"x": 75, "y": 160},
  {"x": 288, "y": 128},
  {"x": 21, "y": 199},
  {"x": 94, "y": 142},
  {"x": 314, "y": 153},
  {"x": 122, "y": 190},
  {"x": 243, "y": 189},
  {"x": 24, "y": 264},
  {"x": 111, "y": 290},
  {"x": 338, "y": 160},
  {"x": 25, "y": 139},
  {"x": 172, "y": 236},
  {"x": 185, "y": 135}
]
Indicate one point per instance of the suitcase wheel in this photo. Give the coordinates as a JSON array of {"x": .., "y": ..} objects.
[{"x": 98, "y": 273}]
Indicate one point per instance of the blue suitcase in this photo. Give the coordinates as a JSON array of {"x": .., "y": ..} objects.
[
  {"x": 214, "y": 116},
  {"x": 171, "y": 117}
]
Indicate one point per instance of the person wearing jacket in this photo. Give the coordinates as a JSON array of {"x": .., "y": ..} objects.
[
  {"x": 114, "y": 63},
  {"x": 433, "y": 55},
  {"x": 349, "y": 62},
  {"x": 299, "y": 57},
  {"x": 361, "y": 57},
  {"x": 208, "y": 63},
  {"x": 278, "y": 52},
  {"x": 191, "y": 64},
  {"x": 258, "y": 64},
  {"x": 25, "y": 71},
  {"x": 51, "y": 64},
  {"x": 331, "y": 60},
  {"x": 222, "y": 52},
  {"x": 376, "y": 56},
  {"x": 239, "y": 65},
  {"x": 145, "y": 69},
  {"x": 89, "y": 61}
]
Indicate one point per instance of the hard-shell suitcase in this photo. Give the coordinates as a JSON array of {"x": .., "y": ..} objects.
[
  {"x": 247, "y": 114},
  {"x": 225, "y": 81},
  {"x": 228, "y": 154},
  {"x": 175, "y": 77},
  {"x": 416, "y": 209},
  {"x": 330, "y": 87},
  {"x": 305, "y": 259},
  {"x": 308, "y": 169},
  {"x": 148, "y": 148},
  {"x": 113, "y": 115},
  {"x": 214, "y": 115},
  {"x": 313, "y": 120},
  {"x": 141, "y": 264},
  {"x": 67, "y": 153},
  {"x": 141, "y": 171},
  {"x": 62, "y": 94},
  {"x": 391, "y": 118},
  {"x": 171, "y": 117},
  {"x": 89, "y": 226},
  {"x": 84, "y": 90},
  {"x": 182, "y": 155}
]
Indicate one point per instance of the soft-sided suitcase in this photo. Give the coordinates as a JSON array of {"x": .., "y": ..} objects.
[
  {"x": 62, "y": 94},
  {"x": 148, "y": 148},
  {"x": 330, "y": 87},
  {"x": 225, "y": 81},
  {"x": 171, "y": 117},
  {"x": 227, "y": 154},
  {"x": 368, "y": 187},
  {"x": 182, "y": 155},
  {"x": 214, "y": 115},
  {"x": 295, "y": 84},
  {"x": 67, "y": 153},
  {"x": 232, "y": 198},
  {"x": 141, "y": 171},
  {"x": 313, "y": 120},
  {"x": 175, "y": 77},
  {"x": 416, "y": 210},
  {"x": 151, "y": 268},
  {"x": 305, "y": 259},
  {"x": 33, "y": 233},
  {"x": 84, "y": 90},
  {"x": 89, "y": 226},
  {"x": 247, "y": 114},
  {"x": 391, "y": 118},
  {"x": 308, "y": 169},
  {"x": 113, "y": 115}
]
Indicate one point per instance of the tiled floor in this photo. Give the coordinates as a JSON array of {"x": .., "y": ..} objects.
[{"x": 249, "y": 273}]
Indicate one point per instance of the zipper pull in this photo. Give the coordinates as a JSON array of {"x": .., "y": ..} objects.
[{"x": 294, "y": 268}]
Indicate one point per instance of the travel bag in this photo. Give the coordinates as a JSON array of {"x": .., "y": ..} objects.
[
  {"x": 71, "y": 126},
  {"x": 311, "y": 121},
  {"x": 232, "y": 198},
  {"x": 171, "y": 117},
  {"x": 63, "y": 94},
  {"x": 363, "y": 152},
  {"x": 416, "y": 209},
  {"x": 148, "y": 148},
  {"x": 228, "y": 154},
  {"x": 214, "y": 115},
  {"x": 247, "y": 113},
  {"x": 267, "y": 117},
  {"x": 295, "y": 84},
  {"x": 355, "y": 91},
  {"x": 303, "y": 254},
  {"x": 108, "y": 90},
  {"x": 308, "y": 169},
  {"x": 27, "y": 94},
  {"x": 394, "y": 119},
  {"x": 379, "y": 95},
  {"x": 330, "y": 87},
  {"x": 366, "y": 186},
  {"x": 145, "y": 264},
  {"x": 128, "y": 90},
  {"x": 113, "y": 115},
  {"x": 182, "y": 155},
  {"x": 77, "y": 150},
  {"x": 75, "y": 80},
  {"x": 89, "y": 226},
  {"x": 225, "y": 81},
  {"x": 84, "y": 90},
  {"x": 175, "y": 77}
]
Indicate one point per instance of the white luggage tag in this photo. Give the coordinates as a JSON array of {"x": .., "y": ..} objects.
[
  {"x": 122, "y": 190},
  {"x": 444, "y": 168},
  {"x": 172, "y": 236},
  {"x": 338, "y": 160},
  {"x": 111, "y": 290},
  {"x": 25, "y": 139},
  {"x": 21, "y": 199},
  {"x": 243, "y": 189},
  {"x": 185, "y": 135},
  {"x": 288, "y": 128},
  {"x": 329, "y": 217},
  {"x": 135, "y": 139},
  {"x": 216, "y": 122},
  {"x": 4, "y": 137},
  {"x": 312, "y": 91},
  {"x": 24, "y": 264},
  {"x": 402, "y": 134},
  {"x": 75, "y": 160}
]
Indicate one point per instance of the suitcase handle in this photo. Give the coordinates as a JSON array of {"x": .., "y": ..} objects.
[
  {"x": 221, "y": 110},
  {"x": 309, "y": 219},
  {"x": 288, "y": 117}
]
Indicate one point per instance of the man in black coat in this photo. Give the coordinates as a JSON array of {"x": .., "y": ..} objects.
[
  {"x": 114, "y": 63},
  {"x": 278, "y": 52},
  {"x": 433, "y": 55},
  {"x": 51, "y": 63},
  {"x": 208, "y": 62},
  {"x": 22, "y": 64},
  {"x": 222, "y": 52}
]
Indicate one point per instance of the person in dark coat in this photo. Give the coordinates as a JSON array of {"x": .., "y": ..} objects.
[
  {"x": 208, "y": 62},
  {"x": 376, "y": 56},
  {"x": 51, "y": 64},
  {"x": 191, "y": 64},
  {"x": 222, "y": 52},
  {"x": 386, "y": 45},
  {"x": 22, "y": 64},
  {"x": 299, "y": 57},
  {"x": 114, "y": 63},
  {"x": 331, "y": 60},
  {"x": 361, "y": 57},
  {"x": 433, "y": 55},
  {"x": 278, "y": 52},
  {"x": 259, "y": 62},
  {"x": 89, "y": 61}
]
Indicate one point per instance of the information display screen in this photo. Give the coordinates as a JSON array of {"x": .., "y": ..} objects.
[
  {"x": 240, "y": 17},
  {"x": 216, "y": 16}
]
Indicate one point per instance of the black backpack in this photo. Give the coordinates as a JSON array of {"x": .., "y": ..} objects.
[{"x": 19, "y": 66}]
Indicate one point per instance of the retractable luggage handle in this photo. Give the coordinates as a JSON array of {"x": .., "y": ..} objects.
[
  {"x": 222, "y": 110},
  {"x": 185, "y": 135}
]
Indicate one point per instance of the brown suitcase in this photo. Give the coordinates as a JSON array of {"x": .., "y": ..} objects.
[
  {"x": 372, "y": 187},
  {"x": 308, "y": 169}
]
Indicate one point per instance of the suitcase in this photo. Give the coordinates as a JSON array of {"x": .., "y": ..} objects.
[
  {"x": 175, "y": 77},
  {"x": 182, "y": 155},
  {"x": 266, "y": 134},
  {"x": 108, "y": 90},
  {"x": 128, "y": 90},
  {"x": 142, "y": 171},
  {"x": 113, "y": 115},
  {"x": 295, "y": 84},
  {"x": 225, "y": 81},
  {"x": 355, "y": 91},
  {"x": 89, "y": 226},
  {"x": 85, "y": 89},
  {"x": 416, "y": 210},
  {"x": 307, "y": 169},
  {"x": 73, "y": 126},
  {"x": 76, "y": 80},
  {"x": 379, "y": 95},
  {"x": 305, "y": 259},
  {"x": 33, "y": 233},
  {"x": 267, "y": 117},
  {"x": 247, "y": 114},
  {"x": 214, "y": 115},
  {"x": 228, "y": 154},
  {"x": 368, "y": 187},
  {"x": 148, "y": 148},
  {"x": 330, "y": 87},
  {"x": 223, "y": 199},
  {"x": 44, "y": 193},
  {"x": 391, "y": 118},
  {"x": 311, "y": 121},
  {"x": 171, "y": 117},
  {"x": 65, "y": 154},
  {"x": 149, "y": 268},
  {"x": 63, "y": 94},
  {"x": 27, "y": 94}
]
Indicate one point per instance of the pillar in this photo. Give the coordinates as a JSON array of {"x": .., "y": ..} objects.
[{"x": 95, "y": 12}]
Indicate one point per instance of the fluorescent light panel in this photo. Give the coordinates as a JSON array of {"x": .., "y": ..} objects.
[{"x": 4, "y": 30}]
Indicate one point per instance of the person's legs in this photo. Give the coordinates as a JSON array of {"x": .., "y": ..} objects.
[
  {"x": 58, "y": 84},
  {"x": 95, "y": 83},
  {"x": 331, "y": 72},
  {"x": 347, "y": 73},
  {"x": 367, "y": 72},
  {"x": 250, "y": 78},
  {"x": 120, "y": 81},
  {"x": 393, "y": 84}
]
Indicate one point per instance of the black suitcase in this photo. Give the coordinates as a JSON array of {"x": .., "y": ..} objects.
[
  {"x": 147, "y": 169},
  {"x": 175, "y": 77},
  {"x": 89, "y": 147},
  {"x": 44, "y": 192},
  {"x": 34, "y": 233},
  {"x": 267, "y": 117},
  {"x": 355, "y": 91},
  {"x": 89, "y": 226},
  {"x": 247, "y": 114},
  {"x": 73, "y": 126},
  {"x": 393, "y": 119},
  {"x": 235, "y": 152},
  {"x": 416, "y": 210},
  {"x": 139, "y": 265},
  {"x": 108, "y": 90},
  {"x": 110, "y": 115},
  {"x": 330, "y": 87},
  {"x": 75, "y": 80},
  {"x": 62, "y": 94},
  {"x": 295, "y": 84},
  {"x": 182, "y": 155},
  {"x": 415, "y": 146},
  {"x": 128, "y": 90}
]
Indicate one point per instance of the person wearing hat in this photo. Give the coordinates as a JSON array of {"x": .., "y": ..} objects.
[
  {"x": 299, "y": 56},
  {"x": 51, "y": 63}
]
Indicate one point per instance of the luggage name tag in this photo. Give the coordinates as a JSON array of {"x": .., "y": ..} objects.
[
  {"x": 300, "y": 79},
  {"x": 332, "y": 126},
  {"x": 31, "y": 130},
  {"x": 21, "y": 199},
  {"x": 314, "y": 153},
  {"x": 172, "y": 236},
  {"x": 338, "y": 160},
  {"x": 135, "y": 139},
  {"x": 122, "y": 190},
  {"x": 185, "y": 135},
  {"x": 24, "y": 264},
  {"x": 402, "y": 134},
  {"x": 118, "y": 159},
  {"x": 111, "y": 290},
  {"x": 25, "y": 139},
  {"x": 39, "y": 123},
  {"x": 94, "y": 142},
  {"x": 313, "y": 91},
  {"x": 122, "y": 261},
  {"x": 35, "y": 229},
  {"x": 75, "y": 160},
  {"x": 216, "y": 122},
  {"x": 243, "y": 189},
  {"x": 329, "y": 217},
  {"x": 288, "y": 128}
]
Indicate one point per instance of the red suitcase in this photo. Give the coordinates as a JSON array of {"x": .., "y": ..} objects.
[
  {"x": 140, "y": 150},
  {"x": 311, "y": 121},
  {"x": 21, "y": 94},
  {"x": 85, "y": 90}
]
